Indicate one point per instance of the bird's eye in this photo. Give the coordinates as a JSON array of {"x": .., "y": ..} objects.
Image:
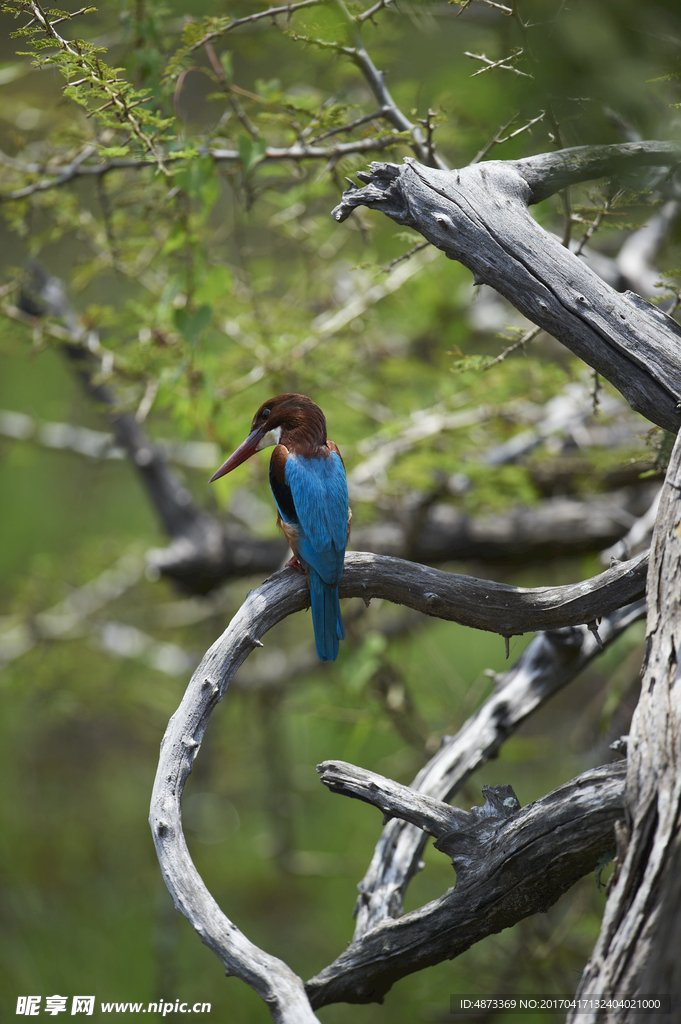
[{"x": 265, "y": 413}]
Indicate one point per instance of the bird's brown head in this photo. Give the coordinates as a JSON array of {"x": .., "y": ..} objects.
[{"x": 292, "y": 420}]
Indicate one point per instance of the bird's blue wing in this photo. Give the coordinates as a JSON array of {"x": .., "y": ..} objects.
[{"x": 319, "y": 493}]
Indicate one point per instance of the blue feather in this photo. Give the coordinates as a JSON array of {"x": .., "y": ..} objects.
[
  {"x": 319, "y": 492},
  {"x": 326, "y": 616}
]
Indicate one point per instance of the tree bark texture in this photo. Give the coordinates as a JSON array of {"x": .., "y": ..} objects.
[
  {"x": 479, "y": 216},
  {"x": 493, "y": 606},
  {"x": 548, "y": 663},
  {"x": 507, "y": 868},
  {"x": 639, "y": 948}
]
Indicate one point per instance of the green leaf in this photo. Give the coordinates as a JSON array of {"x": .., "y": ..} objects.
[
  {"x": 251, "y": 151},
  {"x": 115, "y": 151},
  {"x": 214, "y": 285},
  {"x": 199, "y": 180},
  {"x": 191, "y": 322},
  {"x": 467, "y": 363},
  {"x": 226, "y": 61},
  {"x": 176, "y": 239}
]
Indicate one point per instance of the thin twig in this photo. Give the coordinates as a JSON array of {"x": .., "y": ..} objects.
[
  {"x": 597, "y": 388},
  {"x": 296, "y": 152},
  {"x": 116, "y": 99},
  {"x": 491, "y": 64},
  {"x": 404, "y": 256},
  {"x": 272, "y": 12},
  {"x": 375, "y": 79},
  {"x": 527, "y": 337},
  {"x": 595, "y": 224},
  {"x": 381, "y": 112},
  {"x": 368, "y": 15},
  {"x": 241, "y": 114},
  {"x": 499, "y": 139}
]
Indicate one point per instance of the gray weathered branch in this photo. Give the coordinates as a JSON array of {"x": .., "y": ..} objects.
[
  {"x": 270, "y": 977},
  {"x": 507, "y": 868},
  {"x": 435, "y": 817},
  {"x": 479, "y": 216},
  {"x": 438, "y": 593},
  {"x": 483, "y": 604},
  {"x": 547, "y": 664},
  {"x": 548, "y": 173},
  {"x": 638, "y": 948}
]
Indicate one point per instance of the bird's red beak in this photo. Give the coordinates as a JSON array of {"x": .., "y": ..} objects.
[{"x": 244, "y": 451}]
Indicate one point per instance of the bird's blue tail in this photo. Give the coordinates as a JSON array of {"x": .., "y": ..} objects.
[{"x": 326, "y": 617}]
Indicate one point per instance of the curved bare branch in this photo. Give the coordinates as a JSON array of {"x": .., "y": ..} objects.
[
  {"x": 548, "y": 663},
  {"x": 507, "y": 869},
  {"x": 548, "y": 173},
  {"x": 474, "y": 602},
  {"x": 484, "y": 604},
  {"x": 479, "y": 216}
]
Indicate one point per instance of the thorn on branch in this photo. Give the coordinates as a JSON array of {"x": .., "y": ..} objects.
[
  {"x": 595, "y": 392},
  {"x": 499, "y": 139},
  {"x": 491, "y": 64},
  {"x": 593, "y": 628},
  {"x": 429, "y": 124}
]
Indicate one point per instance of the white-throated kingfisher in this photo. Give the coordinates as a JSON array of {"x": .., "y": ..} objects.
[{"x": 307, "y": 477}]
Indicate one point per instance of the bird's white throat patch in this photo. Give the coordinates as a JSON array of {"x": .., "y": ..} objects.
[{"x": 269, "y": 439}]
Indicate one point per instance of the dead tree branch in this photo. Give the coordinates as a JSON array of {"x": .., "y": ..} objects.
[
  {"x": 637, "y": 950},
  {"x": 548, "y": 173},
  {"x": 497, "y": 607},
  {"x": 492, "y": 606},
  {"x": 479, "y": 216},
  {"x": 507, "y": 868},
  {"x": 551, "y": 661}
]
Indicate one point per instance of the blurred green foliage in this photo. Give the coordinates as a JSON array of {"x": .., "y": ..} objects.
[{"x": 210, "y": 270}]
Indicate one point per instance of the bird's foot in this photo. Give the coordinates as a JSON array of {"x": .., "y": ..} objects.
[{"x": 293, "y": 563}]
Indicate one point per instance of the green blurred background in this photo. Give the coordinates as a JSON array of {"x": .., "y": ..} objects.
[{"x": 83, "y": 905}]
